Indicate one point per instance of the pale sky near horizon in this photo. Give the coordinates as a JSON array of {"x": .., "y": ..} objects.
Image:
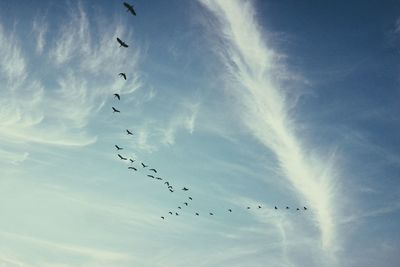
[{"x": 245, "y": 103}]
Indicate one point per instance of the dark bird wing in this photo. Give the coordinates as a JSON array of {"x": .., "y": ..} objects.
[
  {"x": 154, "y": 170},
  {"x": 151, "y": 176},
  {"x": 130, "y": 8},
  {"x": 117, "y": 96},
  {"x": 123, "y": 75},
  {"x": 129, "y": 132},
  {"x": 121, "y": 43},
  {"x": 121, "y": 157},
  {"x": 115, "y": 110}
]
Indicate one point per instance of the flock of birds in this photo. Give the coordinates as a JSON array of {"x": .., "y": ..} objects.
[{"x": 152, "y": 172}]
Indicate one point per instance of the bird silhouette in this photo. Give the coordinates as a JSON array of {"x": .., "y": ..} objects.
[
  {"x": 190, "y": 198},
  {"x": 144, "y": 166},
  {"x": 170, "y": 186},
  {"x": 259, "y": 206},
  {"x": 115, "y": 110},
  {"x": 297, "y": 209},
  {"x": 129, "y": 8},
  {"x": 276, "y": 208},
  {"x": 170, "y": 212},
  {"x": 176, "y": 213},
  {"x": 211, "y": 213},
  {"x": 131, "y": 160},
  {"x": 248, "y": 208},
  {"x": 129, "y": 132},
  {"x": 121, "y": 157},
  {"x": 186, "y": 203},
  {"x": 179, "y": 208},
  {"x": 170, "y": 190},
  {"x": 197, "y": 214},
  {"x": 185, "y": 189},
  {"x": 158, "y": 178},
  {"x": 118, "y": 148},
  {"x": 132, "y": 168},
  {"x": 162, "y": 217},
  {"x": 304, "y": 208},
  {"x": 167, "y": 183},
  {"x": 117, "y": 96},
  {"x": 121, "y": 43},
  {"x": 123, "y": 75},
  {"x": 287, "y": 207},
  {"x": 229, "y": 210},
  {"x": 151, "y": 176},
  {"x": 153, "y": 170}
]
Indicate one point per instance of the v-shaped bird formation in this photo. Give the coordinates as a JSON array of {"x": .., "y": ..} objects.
[{"x": 152, "y": 171}]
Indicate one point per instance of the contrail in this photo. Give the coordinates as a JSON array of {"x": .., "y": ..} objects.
[{"x": 253, "y": 71}]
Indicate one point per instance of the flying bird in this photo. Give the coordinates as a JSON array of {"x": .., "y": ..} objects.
[
  {"x": 158, "y": 178},
  {"x": 144, "y": 166},
  {"x": 176, "y": 213},
  {"x": 248, "y": 208},
  {"x": 118, "y": 148},
  {"x": 170, "y": 190},
  {"x": 162, "y": 217},
  {"x": 121, "y": 43},
  {"x": 186, "y": 203},
  {"x": 121, "y": 157},
  {"x": 170, "y": 186},
  {"x": 179, "y": 208},
  {"x": 229, "y": 210},
  {"x": 211, "y": 214},
  {"x": 259, "y": 206},
  {"x": 287, "y": 207},
  {"x": 129, "y": 132},
  {"x": 117, "y": 96},
  {"x": 304, "y": 208},
  {"x": 129, "y": 8},
  {"x": 151, "y": 176},
  {"x": 115, "y": 110},
  {"x": 197, "y": 214},
  {"x": 185, "y": 189},
  {"x": 132, "y": 168},
  {"x": 123, "y": 75},
  {"x": 276, "y": 208},
  {"x": 167, "y": 183},
  {"x": 131, "y": 160},
  {"x": 153, "y": 170},
  {"x": 170, "y": 212},
  {"x": 297, "y": 209},
  {"x": 190, "y": 198}
]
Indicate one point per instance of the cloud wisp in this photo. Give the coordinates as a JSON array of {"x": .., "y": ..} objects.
[{"x": 255, "y": 77}]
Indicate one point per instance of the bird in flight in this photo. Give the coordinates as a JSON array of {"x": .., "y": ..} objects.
[
  {"x": 162, "y": 217},
  {"x": 144, "y": 166},
  {"x": 117, "y": 96},
  {"x": 170, "y": 212},
  {"x": 248, "y": 208},
  {"x": 304, "y": 208},
  {"x": 259, "y": 206},
  {"x": 153, "y": 170},
  {"x": 211, "y": 213},
  {"x": 123, "y": 75},
  {"x": 170, "y": 190},
  {"x": 185, "y": 189},
  {"x": 129, "y": 132},
  {"x": 151, "y": 176},
  {"x": 297, "y": 209},
  {"x": 158, "y": 178},
  {"x": 229, "y": 210},
  {"x": 121, "y": 157},
  {"x": 179, "y": 208},
  {"x": 118, "y": 148},
  {"x": 190, "y": 198},
  {"x": 176, "y": 213},
  {"x": 130, "y": 8},
  {"x": 287, "y": 207},
  {"x": 197, "y": 214},
  {"x": 276, "y": 208},
  {"x": 167, "y": 183},
  {"x": 186, "y": 203},
  {"x": 115, "y": 110},
  {"x": 122, "y": 43},
  {"x": 131, "y": 160},
  {"x": 132, "y": 168}
]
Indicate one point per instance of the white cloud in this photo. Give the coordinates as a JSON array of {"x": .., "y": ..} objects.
[
  {"x": 254, "y": 74},
  {"x": 40, "y": 28}
]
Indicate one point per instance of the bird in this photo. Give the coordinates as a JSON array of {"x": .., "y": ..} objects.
[
  {"x": 151, "y": 176},
  {"x": 158, "y": 178},
  {"x": 297, "y": 209},
  {"x": 190, "y": 198},
  {"x": 131, "y": 160},
  {"x": 162, "y": 217},
  {"x": 167, "y": 183},
  {"x": 129, "y": 8},
  {"x": 176, "y": 213},
  {"x": 144, "y": 166},
  {"x": 248, "y": 208},
  {"x": 276, "y": 208},
  {"x": 185, "y": 189},
  {"x": 170, "y": 186},
  {"x": 211, "y": 214},
  {"x": 118, "y": 148},
  {"x": 229, "y": 210},
  {"x": 170, "y": 190},
  {"x": 117, "y": 96},
  {"x": 186, "y": 203},
  {"x": 123, "y": 75},
  {"x": 197, "y": 214},
  {"x": 121, "y": 157},
  {"x": 179, "y": 208},
  {"x": 115, "y": 110},
  {"x": 259, "y": 206},
  {"x": 121, "y": 43},
  {"x": 132, "y": 168},
  {"x": 304, "y": 208},
  {"x": 287, "y": 207},
  {"x": 153, "y": 170},
  {"x": 129, "y": 132},
  {"x": 170, "y": 212}
]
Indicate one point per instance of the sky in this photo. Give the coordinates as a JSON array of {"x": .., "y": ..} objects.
[{"x": 245, "y": 103}]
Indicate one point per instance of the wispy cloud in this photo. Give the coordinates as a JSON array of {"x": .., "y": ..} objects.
[
  {"x": 40, "y": 29},
  {"x": 255, "y": 76}
]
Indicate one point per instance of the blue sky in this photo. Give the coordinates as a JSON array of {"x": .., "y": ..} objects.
[{"x": 246, "y": 103}]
